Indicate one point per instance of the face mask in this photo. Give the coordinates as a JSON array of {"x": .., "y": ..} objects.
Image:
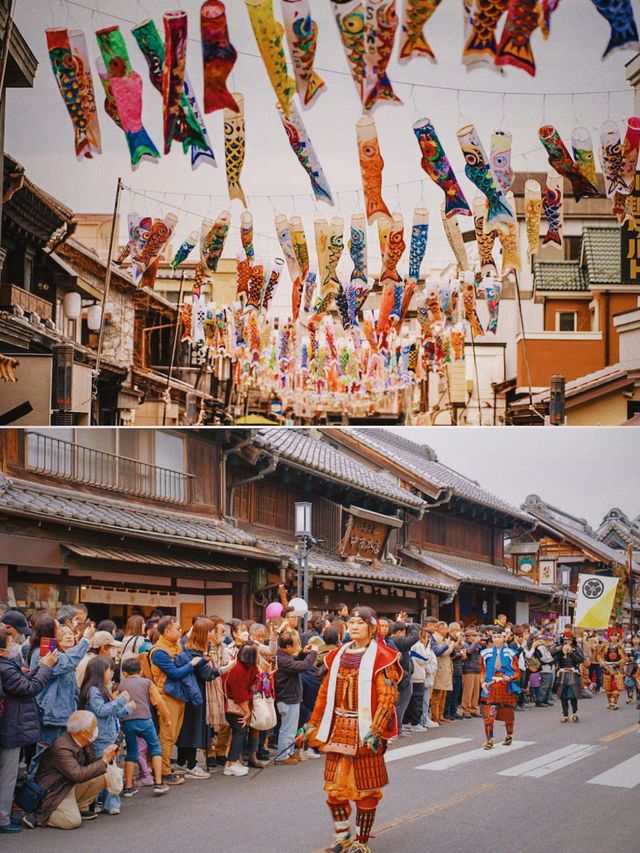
[{"x": 244, "y": 636}]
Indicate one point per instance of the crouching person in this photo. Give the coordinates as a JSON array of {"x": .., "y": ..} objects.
[{"x": 71, "y": 776}]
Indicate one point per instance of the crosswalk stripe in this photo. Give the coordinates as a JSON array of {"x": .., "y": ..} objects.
[
  {"x": 399, "y": 752},
  {"x": 474, "y": 755},
  {"x": 551, "y": 761},
  {"x": 624, "y": 775}
]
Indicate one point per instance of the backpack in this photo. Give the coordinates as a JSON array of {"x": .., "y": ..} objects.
[{"x": 145, "y": 666}]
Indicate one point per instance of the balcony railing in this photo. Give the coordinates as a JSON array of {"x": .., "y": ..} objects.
[{"x": 54, "y": 457}]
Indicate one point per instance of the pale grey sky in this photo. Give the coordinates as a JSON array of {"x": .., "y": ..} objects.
[
  {"x": 583, "y": 470},
  {"x": 39, "y": 132}
]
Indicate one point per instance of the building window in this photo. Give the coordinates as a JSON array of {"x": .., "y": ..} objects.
[
  {"x": 170, "y": 466},
  {"x": 572, "y": 247},
  {"x": 566, "y": 321}
]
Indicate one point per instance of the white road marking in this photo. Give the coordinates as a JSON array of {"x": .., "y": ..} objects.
[
  {"x": 399, "y": 752},
  {"x": 624, "y": 775},
  {"x": 551, "y": 761},
  {"x": 474, "y": 755}
]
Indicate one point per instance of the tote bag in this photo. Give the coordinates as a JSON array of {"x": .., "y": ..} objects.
[{"x": 263, "y": 713}]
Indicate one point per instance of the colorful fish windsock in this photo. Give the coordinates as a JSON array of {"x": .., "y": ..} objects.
[
  {"x": 478, "y": 170},
  {"x": 243, "y": 272},
  {"x": 583, "y": 154},
  {"x": 484, "y": 241},
  {"x": 303, "y": 148},
  {"x": 157, "y": 233},
  {"x": 173, "y": 71},
  {"x": 562, "y": 162},
  {"x": 256, "y": 285},
  {"x": 416, "y": 13},
  {"x": 358, "y": 248},
  {"x": 629, "y": 164},
  {"x": 380, "y": 24},
  {"x": 218, "y": 57},
  {"x": 509, "y": 241},
  {"x": 548, "y": 8},
  {"x": 492, "y": 290},
  {"x": 70, "y": 63},
  {"x": 123, "y": 87},
  {"x": 515, "y": 44},
  {"x": 469, "y": 303},
  {"x": 624, "y": 32},
  {"x": 212, "y": 239},
  {"x": 329, "y": 282},
  {"x": 500, "y": 158},
  {"x": 456, "y": 241},
  {"x": 185, "y": 250},
  {"x": 271, "y": 282},
  {"x": 301, "y": 251},
  {"x": 268, "y": 33},
  {"x": 302, "y": 36},
  {"x": 349, "y": 15},
  {"x": 610, "y": 157},
  {"x": 234, "y": 143},
  {"x": 371, "y": 165},
  {"x": 532, "y": 214},
  {"x": 418, "y": 246},
  {"x": 436, "y": 164},
  {"x": 394, "y": 249},
  {"x": 189, "y": 127},
  {"x": 246, "y": 232},
  {"x": 481, "y": 46},
  {"x": 552, "y": 206}
]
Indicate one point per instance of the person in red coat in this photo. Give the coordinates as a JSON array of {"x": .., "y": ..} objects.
[{"x": 352, "y": 720}]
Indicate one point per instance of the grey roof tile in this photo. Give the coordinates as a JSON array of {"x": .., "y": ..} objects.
[
  {"x": 421, "y": 461},
  {"x": 474, "y": 571},
  {"x": 560, "y": 276},
  {"x": 602, "y": 248},
  {"x": 40, "y": 500},
  {"x": 298, "y": 447}
]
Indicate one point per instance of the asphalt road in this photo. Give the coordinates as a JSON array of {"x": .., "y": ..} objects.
[{"x": 443, "y": 795}]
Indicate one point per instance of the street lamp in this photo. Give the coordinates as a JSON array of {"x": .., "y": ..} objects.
[{"x": 304, "y": 535}]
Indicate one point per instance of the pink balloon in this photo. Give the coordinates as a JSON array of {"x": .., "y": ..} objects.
[{"x": 273, "y": 610}]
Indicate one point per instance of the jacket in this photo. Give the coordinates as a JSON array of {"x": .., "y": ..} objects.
[
  {"x": 403, "y": 645},
  {"x": 444, "y": 674},
  {"x": 59, "y": 699},
  {"x": 195, "y": 732},
  {"x": 178, "y": 676},
  {"x": 425, "y": 664},
  {"x": 20, "y": 722},
  {"x": 108, "y": 714},
  {"x": 287, "y": 679},
  {"x": 64, "y": 764},
  {"x": 472, "y": 662}
]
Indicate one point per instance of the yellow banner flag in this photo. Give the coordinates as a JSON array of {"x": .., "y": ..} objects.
[{"x": 594, "y": 601}]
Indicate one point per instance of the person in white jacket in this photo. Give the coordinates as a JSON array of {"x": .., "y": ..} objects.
[{"x": 424, "y": 667}]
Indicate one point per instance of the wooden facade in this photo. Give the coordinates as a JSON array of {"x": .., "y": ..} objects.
[{"x": 444, "y": 532}]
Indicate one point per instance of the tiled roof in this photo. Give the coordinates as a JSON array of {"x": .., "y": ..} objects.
[
  {"x": 421, "y": 461},
  {"x": 568, "y": 527},
  {"x": 617, "y": 521},
  {"x": 559, "y": 275},
  {"x": 323, "y": 564},
  {"x": 602, "y": 248},
  {"x": 612, "y": 373},
  {"x": 66, "y": 505},
  {"x": 473, "y": 571},
  {"x": 298, "y": 447}
]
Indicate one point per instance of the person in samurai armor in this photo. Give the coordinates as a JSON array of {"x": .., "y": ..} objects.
[
  {"x": 352, "y": 720},
  {"x": 612, "y": 659},
  {"x": 500, "y": 674},
  {"x": 568, "y": 687}
]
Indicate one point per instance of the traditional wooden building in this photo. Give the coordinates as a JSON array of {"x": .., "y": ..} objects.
[
  {"x": 618, "y": 531},
  {"x": 460, "y": 537}
]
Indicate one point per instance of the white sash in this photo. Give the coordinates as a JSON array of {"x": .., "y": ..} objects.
[{"x": 365, "y": 680}]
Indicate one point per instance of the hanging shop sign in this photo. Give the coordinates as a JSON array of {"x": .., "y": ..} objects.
[
  {"x": 142, "y": 598},
  {"x": 547, "y": 571},
  {"x": 526, "y": 564},
  {"x": 366, "y": 534}
]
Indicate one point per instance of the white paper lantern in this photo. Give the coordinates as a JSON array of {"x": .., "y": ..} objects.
[
  {"x": 299, "y": 606},
  {"x": 94, "y": 315},
  {"x": 72, "y": 306}
]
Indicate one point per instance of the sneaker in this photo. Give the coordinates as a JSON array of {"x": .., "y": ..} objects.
[
  {"x": 160, "y": 789},
  {"x": 179, "y": 768},
  {"x": 466, "y": 716},
  {"x": 291, "y": 760},
  {"x": 431, "y": 724},
  {"x": 29, "y": 821},
  {"x": 130, "y": 792},
  {"x": 113, "y": 811},
  {"x": 419, "y": 728},
  {"x": 237, "y": 769},
  {"x": 196, "y": 773},
  {"x": 565, "y": 720},
  {"x": 172, "y": 779},
  {"x": 98, "y": 807},
  {"x": 88, "y": 815},
  {"x": 508, "y": 740},
  {"x": 575, "y": 718},
  {"x": 11, "y": 827}
]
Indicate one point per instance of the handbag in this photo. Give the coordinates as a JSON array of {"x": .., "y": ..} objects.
[
  {"x": 29, "y": 796},
  {"x": 115, "y": 778},
  {"x": 263, "y": 713}
]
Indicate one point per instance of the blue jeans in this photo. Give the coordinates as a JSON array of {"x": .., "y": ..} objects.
[
  {"x": 133, "y": 729},
  {"x": 288, "y": 728},
  {"x": 108, "y": 800},
  {"x": 596, "y": 669},
  {"x": 453, "y": 697}
]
